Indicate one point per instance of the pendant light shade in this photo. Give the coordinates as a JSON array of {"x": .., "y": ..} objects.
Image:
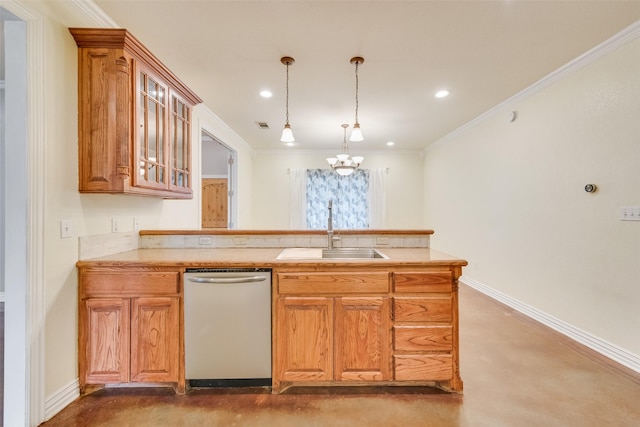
[
  {"x": 356, "y": 133},
  {"x": 287, "y": 133}
]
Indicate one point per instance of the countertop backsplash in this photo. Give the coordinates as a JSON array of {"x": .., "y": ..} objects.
[{"x": 112, "y": 243}]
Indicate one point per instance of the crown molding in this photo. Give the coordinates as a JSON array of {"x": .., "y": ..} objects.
[{"x": 93, "y": 12}]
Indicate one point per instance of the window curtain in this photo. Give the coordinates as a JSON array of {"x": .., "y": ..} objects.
[
  {"x": 348, "y": 193},
  {"x": 297, "y": 199},
  {"x": 377, "y": 199}
]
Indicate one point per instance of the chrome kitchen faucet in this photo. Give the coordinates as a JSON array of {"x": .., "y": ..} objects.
[{"x": 330, "y": 236}]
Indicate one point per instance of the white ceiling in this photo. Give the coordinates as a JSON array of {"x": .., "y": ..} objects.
[{"x": 484, "y": 52}]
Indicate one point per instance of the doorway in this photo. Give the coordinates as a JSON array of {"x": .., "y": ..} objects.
[
  {"x": 13, "y": 217},
  {"x": 218, "y": 183}
]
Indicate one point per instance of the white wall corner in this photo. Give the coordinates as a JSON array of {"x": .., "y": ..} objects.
[
  {"x": 61, "y": 399},
  {"x": 605, "y": 348}
]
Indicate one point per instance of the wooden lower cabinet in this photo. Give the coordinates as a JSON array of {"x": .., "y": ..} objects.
[
  {"x": 129, "y": 334},
  {"x": 104, "y": 324},
  {"x": 425, "y": 328},
  {"x": 333, "y": 339},
  {"x": 154, "y": 339},
  {"x": 305, "y": 339},
  {"x": 362, "y": 339},
  {"x": 356, "y": 327}
]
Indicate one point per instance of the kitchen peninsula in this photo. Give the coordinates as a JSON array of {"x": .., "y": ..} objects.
[{"x": 345, "y": 321}]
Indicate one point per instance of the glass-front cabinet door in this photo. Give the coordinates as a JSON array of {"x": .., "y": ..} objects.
[
  {"x": 151, "y": 140},
  {"x": 179, "y": 142}
]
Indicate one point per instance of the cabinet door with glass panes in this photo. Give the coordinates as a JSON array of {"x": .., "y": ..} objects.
[
  {"x": 179, "y": 144},
  {"x": 151, "y": 132}
]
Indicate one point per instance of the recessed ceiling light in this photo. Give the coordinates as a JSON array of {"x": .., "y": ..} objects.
[
  {"x": 266, "y": 94},
  {"x": 442, "y": 93},
  {"x": 391, "y": 143}
]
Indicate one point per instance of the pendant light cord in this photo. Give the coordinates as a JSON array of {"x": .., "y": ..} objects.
[
  {"x": 287, "y": 97},
  {"x": 357, "y": 63}
]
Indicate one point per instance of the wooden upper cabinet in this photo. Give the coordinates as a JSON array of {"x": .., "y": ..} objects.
[{"x": 134, "y": 118}]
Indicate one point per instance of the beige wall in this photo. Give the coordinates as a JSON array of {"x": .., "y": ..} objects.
[
  {"x": 91, "y": 214},
  {"x": 271, "y": 184},
  {"x": 510, "y": 198}
]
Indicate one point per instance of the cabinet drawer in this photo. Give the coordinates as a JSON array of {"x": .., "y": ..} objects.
[
  {"x": 423, "y": 367},
  {"x": 122, "y": 283},
  {"x": 423, "y": 338},
  {"x": 437, "y": 281},
  {"x": 427, "y": 309},
  {"x": 331, "y": 283}
]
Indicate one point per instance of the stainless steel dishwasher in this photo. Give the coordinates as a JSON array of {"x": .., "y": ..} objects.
[{"x": 227, "y": 325}]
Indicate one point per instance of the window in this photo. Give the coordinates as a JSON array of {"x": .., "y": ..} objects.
[{"x": 350, "y": 196}]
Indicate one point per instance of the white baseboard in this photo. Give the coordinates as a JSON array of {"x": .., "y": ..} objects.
[
  {"x": 617, "y": 354},
  {"x": 61, "y": 399}
]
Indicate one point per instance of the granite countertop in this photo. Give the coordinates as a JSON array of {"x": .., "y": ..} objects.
[{"x": 263, "y": 257}]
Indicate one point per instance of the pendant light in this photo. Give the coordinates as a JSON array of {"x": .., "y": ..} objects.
[
  {"x": 356, "y": 133},
  {"x": 342, "y": 163},
  {"x": 287, "y": 134}
]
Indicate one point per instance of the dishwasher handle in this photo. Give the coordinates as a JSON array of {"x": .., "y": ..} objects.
[{"x": 246, "y": 279}]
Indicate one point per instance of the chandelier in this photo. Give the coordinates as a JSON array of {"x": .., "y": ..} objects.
[
  {"x": 287, "y": 134},
  {"x": 343, "y": 163}
]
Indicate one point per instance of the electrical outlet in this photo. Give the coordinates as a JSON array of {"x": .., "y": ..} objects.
[
  {"x": 240, "y": 241},
  {"x": 382, "y": 240},
  {"x": 115, "y": 225},
  {"x": 65, "y": 228},
  {"x": 204, "y": 241},
  {"x": 630, "y": 213}
]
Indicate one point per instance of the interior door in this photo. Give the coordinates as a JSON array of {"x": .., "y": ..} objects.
[{"x": 214, "y": 202}]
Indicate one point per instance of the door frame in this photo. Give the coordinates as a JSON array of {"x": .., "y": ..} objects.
[{"x": 25, "y": 294}]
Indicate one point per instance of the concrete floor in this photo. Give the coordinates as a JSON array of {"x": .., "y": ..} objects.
[{"x": 516, "y": 372}]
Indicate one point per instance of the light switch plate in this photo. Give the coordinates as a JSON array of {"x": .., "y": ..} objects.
[{"x": 65, "y": 228}]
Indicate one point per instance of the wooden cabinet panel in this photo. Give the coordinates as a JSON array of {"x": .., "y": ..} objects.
[
  {"x": 305, "y": 339},
  {"x": 423, "y": 338},
  {"x": 331, "y": 283},
  {"x": 427, "y": 309},
  {"x": 362, "y": 339},
  {"x": 154, "y": 339},
  {"x": 104, "y": 341},
  {"x": 124, "y": 283},
  {"x": 423, "y": 367},
  {"x": 437, "y": 281}
]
